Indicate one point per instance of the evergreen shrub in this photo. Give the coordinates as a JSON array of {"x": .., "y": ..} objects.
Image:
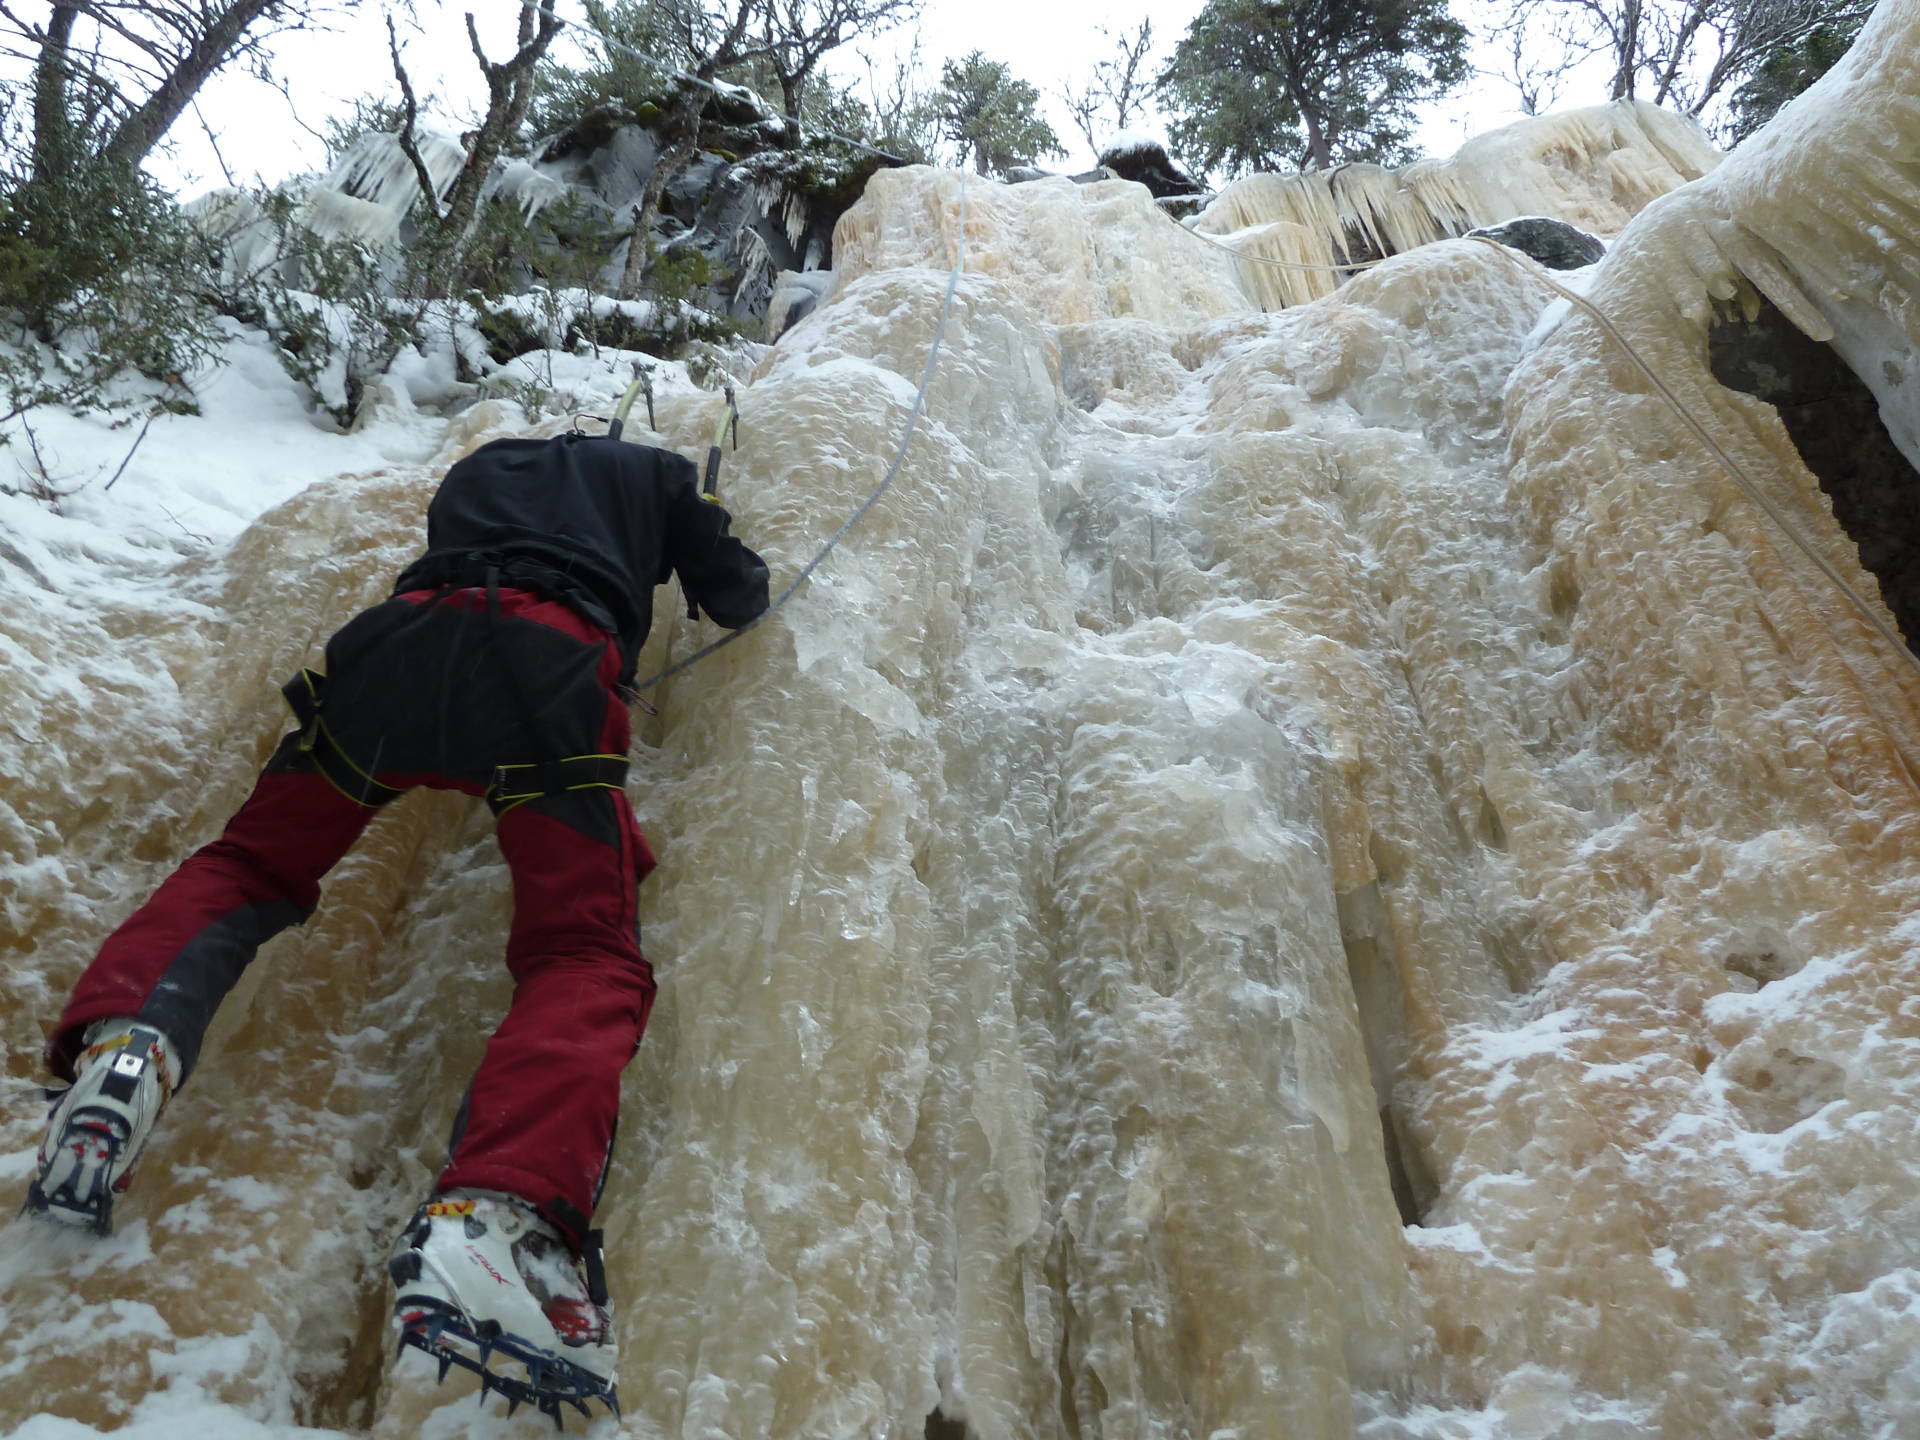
[{"x": 102, "y": 276}]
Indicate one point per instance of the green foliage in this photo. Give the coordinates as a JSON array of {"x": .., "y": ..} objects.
[
  {"x": 678, "y": 283},
  {"x": 561, "y": 307},
  {"x": 1787, "y": 72},
  {"x": 908, "y": 127},
  {"x": 337, "y": 310},
  {"x": 916, "y": 139},
  {"x": 911, "y": 132},
  {"x": 567, "y": 244},
  {"x": 611, "y": 76},
  {"x": 343, "y": 316},
  {"x": 992, "y": 116},
  {"x": 1284, "y": 84},
  {"x": 558, "y": 260},
  {"x": 830, "y": 107},
  {"x": 98, "y": 265}
]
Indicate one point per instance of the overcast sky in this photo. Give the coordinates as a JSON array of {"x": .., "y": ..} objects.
[{"x": 1049, "y": 43}]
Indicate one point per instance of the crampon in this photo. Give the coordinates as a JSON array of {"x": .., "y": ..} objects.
[
  {"x": 485, "y": 1284},
  {"x": 549, "y": 1384}
]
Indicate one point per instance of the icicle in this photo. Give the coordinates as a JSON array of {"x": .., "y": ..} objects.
[
  {"x": 374, "y": 185},
  {"x": 527, "y": 186},
  {"x": 249, "y": 245},
  {"x": 1595, "y": 168}
]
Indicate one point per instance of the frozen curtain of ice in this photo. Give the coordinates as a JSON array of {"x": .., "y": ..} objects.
[{"x": 1304, "y": 874}]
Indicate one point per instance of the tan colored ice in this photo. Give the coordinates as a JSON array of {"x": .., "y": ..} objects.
[{"x": 1256, "y": 780}]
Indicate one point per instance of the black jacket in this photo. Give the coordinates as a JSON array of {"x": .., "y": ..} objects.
[{"x": 592, "y": 523}]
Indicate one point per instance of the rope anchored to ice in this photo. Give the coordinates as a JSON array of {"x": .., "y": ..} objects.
[{"x": 886, "y": 481}]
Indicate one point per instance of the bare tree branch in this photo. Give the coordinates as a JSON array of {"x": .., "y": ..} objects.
[
  {"x": 110, "y": 78},
  {"x": 503, "y": 82},
  {"x": 409, "y": 146},
  {"x": 127, "y": 459},
  {"x": 1118, "y": 89},
  {"x": 796, "y": 35},
  {"x": 206, "y": 53},
  {"x": 213, "y": 140},
  {"x": 1683, "y": 53}
]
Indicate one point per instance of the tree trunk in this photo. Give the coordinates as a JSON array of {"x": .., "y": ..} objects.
[
  {"x": 52, "y": 126},
  {"x": 1319, "y": 147},
  {"x": 1319, "y": 151},
  {"x": 145, "y": 127},
  {"x": 684, "y": 124},
  {"x": 1628, "y": 45},
  {"x": 791, "y": 89},
  {"x": 633, "y": 275},
  {"x": 522, "y": 95},
  {"x": 507, "y": 93}
]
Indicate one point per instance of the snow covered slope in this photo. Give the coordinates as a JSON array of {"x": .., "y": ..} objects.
[{"x": 1303, "y": 875}]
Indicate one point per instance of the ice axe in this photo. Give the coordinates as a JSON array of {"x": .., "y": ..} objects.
[
  {"x": 730, "y": 417},
  {"x": 642, "y": 381},
  {"x": 710, "y": 482},
  {"x": 729, "y": 420}
]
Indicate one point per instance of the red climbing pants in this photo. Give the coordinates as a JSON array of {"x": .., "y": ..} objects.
[{"x": 437, "y": 689}]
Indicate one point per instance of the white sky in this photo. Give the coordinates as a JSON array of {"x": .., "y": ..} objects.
[{"x": 1049, "y": 43}]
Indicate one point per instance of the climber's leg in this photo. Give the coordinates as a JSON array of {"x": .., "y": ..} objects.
[
  {"x": 176, "y": 957},
  {"x": 539, "y": 1118}
]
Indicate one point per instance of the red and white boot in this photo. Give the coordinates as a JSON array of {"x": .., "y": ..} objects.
[
  {"x": 480, "y": 1275},
  {"x": 101, "y": 1122}
]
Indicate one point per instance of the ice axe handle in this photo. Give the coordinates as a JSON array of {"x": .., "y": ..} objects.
[
  {"x": 642, "y": 380},
  {"x": 729, "y": 418}
]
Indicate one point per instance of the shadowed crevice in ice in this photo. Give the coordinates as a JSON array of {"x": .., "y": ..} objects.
[{"x": 1836, "y": 426}]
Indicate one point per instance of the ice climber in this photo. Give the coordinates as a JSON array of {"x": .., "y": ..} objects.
[{"x": 498, "y": 668}]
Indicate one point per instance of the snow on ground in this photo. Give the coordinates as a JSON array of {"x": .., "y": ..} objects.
[{"x": 194, "y": 481}]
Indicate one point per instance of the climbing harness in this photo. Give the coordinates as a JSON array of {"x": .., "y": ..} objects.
[
  {"x": 1748, "y": 486},
  {"x": 305, "y": 695},
  {"x": 513, "y": 785},
  {"x": 508, "y": 785},
  {"x": 873, "y": 496}
]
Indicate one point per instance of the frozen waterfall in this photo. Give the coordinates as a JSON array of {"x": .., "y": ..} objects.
[{"x": 1304, "y": 875}]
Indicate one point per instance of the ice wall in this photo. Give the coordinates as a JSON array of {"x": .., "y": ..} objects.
[
  {"x": 1594, "y": 168},
  {"x": 1303, "y": 875}
]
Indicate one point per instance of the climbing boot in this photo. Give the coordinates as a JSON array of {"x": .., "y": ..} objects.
[
  {"x": 481, "y": 1281},
  {"x": 100, "y": 1123}
]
